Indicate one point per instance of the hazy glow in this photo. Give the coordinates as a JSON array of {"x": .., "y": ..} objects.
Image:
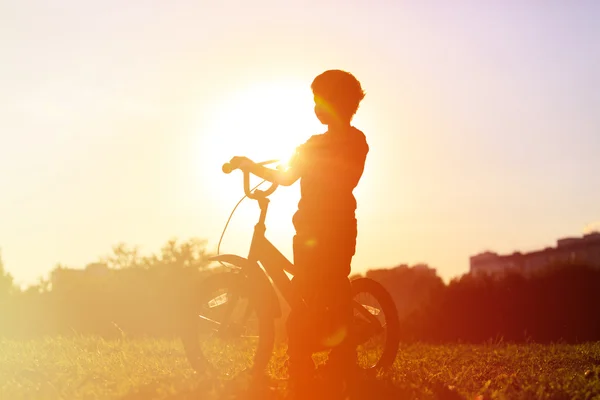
[
  {"x": 482, "y": 119},
  {"x": 263, "y": 121}
]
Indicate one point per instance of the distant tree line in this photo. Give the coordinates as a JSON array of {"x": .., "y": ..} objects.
[
  {"x": 559, "y": 304},
  {"x": 122, "y": 294},
  {"x": 133, "y": 295}
]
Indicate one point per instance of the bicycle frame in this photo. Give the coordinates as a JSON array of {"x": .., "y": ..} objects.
[
  {"x": 255, "y": 279},
  {"x": 274, "y": 263}
]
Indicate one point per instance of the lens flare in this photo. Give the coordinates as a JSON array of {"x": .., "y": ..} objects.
[{"x": 336, "y": 338}]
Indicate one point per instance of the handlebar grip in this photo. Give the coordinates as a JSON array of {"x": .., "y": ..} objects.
[{"x": 227, "y": 168}]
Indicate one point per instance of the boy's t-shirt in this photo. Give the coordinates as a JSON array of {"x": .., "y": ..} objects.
[{"x": 330, "y": 167}]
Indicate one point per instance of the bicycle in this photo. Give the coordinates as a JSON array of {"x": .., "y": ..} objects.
[{"x": 244, "y": 290}]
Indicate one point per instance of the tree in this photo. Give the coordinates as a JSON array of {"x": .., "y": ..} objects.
[
  {"x": 191, "y": 253},
  {"x": 187, "y": 254},
  {"x": 123, "y": 257},
  {"x": 6, "y": 281}
]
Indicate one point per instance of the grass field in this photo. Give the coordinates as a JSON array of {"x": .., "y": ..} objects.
[{"x": 92, "y": 368}]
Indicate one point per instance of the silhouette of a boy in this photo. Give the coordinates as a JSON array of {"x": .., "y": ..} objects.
[{"x": 329, "y": 166}]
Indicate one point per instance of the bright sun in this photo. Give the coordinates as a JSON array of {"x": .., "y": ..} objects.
[{"x": 261, "y": 121}]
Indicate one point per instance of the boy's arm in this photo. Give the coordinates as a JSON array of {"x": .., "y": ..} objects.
[
  {"x": 281, "y": 177},
  {"x": 286, "y": 177}
]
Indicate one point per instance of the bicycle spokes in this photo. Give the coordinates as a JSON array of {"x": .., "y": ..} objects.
[
  {"x": 369, "y": 328},
  {"x": 371, "y": 310},
  {"x": 228, "y": 329},
  {"x": 209, "y": 321},
  {"x": 217, "y": 301}
]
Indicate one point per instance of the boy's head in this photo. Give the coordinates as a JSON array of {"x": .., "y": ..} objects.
[{"x": 337, "y": 96}]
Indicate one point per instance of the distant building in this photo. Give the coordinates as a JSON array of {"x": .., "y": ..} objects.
[{"x": 583, "y": 250}]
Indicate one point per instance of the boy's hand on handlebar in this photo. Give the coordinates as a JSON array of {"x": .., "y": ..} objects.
[
  {"x": 275, "y": 176},
  {"x": 241, "y": 162}
]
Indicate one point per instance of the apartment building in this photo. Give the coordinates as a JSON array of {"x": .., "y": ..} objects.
[{"x": 580, "y": 250}]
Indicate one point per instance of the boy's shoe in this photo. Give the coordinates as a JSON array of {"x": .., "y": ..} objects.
[
  {"x": 317, "y": 389},
  {"x": 340, "y": 379},
  {"x": 302, "y": 383},
  {"x": 303, "y": 389}
]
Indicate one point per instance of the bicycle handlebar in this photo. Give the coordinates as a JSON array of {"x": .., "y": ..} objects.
[
  {"x": 230, "y": 167},
  {"x": 227, "y": 168}
]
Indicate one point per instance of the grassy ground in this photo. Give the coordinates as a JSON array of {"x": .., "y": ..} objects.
[{"x": 91, "y": 368}]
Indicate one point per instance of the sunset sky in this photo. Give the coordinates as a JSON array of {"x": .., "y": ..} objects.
[{"x": 483, "y": 120}]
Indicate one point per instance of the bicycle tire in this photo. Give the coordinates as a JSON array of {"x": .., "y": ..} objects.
[
  {"x": 392, "y": 341},
  {"x": 233, "y": 283}
]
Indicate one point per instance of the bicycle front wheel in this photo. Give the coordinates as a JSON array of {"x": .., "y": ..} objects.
[
  {"x": 376, "y": 324},
  {"x": 226, "y": 331}
]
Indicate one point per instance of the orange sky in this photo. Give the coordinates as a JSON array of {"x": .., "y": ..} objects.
[{"x": 115, "y": 120}]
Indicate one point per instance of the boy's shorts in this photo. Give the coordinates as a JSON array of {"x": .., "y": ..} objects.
[{"x": 325, "y": 251}]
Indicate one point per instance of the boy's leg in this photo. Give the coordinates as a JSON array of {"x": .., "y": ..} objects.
[
  {"x": 324, "y": 265},
  {"x": 342, "y": 357},
  {"x": 301, "y": 366},
  {"x": 342, "y": 361}
]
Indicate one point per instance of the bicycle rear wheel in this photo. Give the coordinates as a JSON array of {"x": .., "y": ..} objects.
[
  {"x": 376, "y": 325},
  {"x": 226, "y": 331}
]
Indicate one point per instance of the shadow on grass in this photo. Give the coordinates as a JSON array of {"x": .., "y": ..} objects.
[{"x": 239, "y": 389}]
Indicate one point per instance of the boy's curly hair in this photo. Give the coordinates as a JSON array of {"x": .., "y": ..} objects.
[{"x": 340, "y": 91}]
